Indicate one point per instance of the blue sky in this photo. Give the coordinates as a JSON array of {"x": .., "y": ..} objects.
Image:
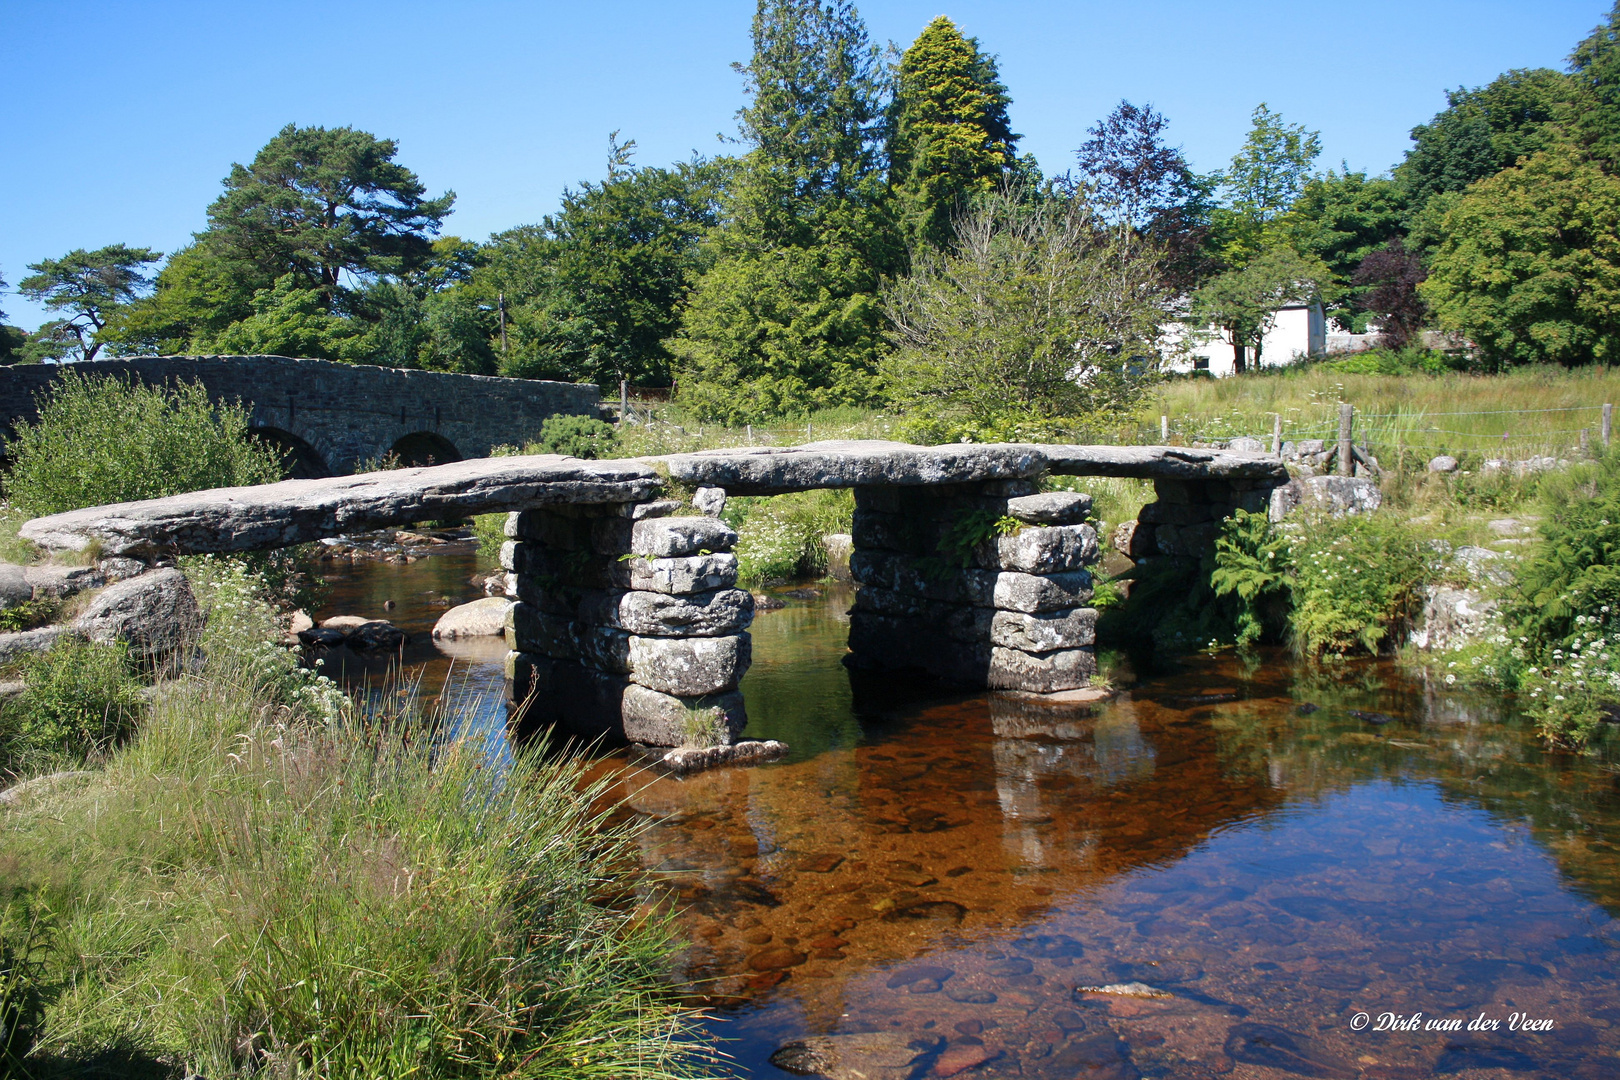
[{"x": 120, "y": 119}]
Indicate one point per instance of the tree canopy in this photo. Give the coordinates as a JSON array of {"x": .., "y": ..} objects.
[
  {"x": 88, "y": 288},
  {"x": 951, "y": 137}
]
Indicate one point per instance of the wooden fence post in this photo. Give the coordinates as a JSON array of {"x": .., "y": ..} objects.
[
  {"x": 1164, "y": 430},
  {"x": 1608, "y": 422},
  {"x": 1347, "y": 414},
  {"x": 1276, "y": 433}
]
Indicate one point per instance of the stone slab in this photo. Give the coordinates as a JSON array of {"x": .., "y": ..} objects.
[
  {"x": 1051, "y": 508},
  {"x": 1063, "y": 669},
  {"x": 662, "y": 537},
  {"x": 660, "y": 719},
  {"x": 1044, "y": 632},
  {"x": 771, "y": 470},
  {"x": 1040, "y": 550},
  {"x": 296, "y": 511},
  {"x": 653, "y": 614}
]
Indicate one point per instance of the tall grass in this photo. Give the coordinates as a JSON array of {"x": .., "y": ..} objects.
[
  {"x": 1540, "y": 410},
  {"x": 248, "y": 889}
]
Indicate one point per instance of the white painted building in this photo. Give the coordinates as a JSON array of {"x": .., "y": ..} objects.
[{"x": 1299, "y": 330}]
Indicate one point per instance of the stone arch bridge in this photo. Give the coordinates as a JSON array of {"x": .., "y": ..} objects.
[
  {"x": 330, "y": 417},
  {"x": 627, "y": 622}
]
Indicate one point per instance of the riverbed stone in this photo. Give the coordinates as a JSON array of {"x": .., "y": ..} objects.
[
  {"x": 485, "y": 617},
  {"x": 877, "y": 1055},
  {"x": 1040, "y": 550},
  {"x": 1063, "y": 669},
  {"x": 659, "y": 719},
  {"x": 1037, "y": 633},
  {"x": 14, "y": 586},
  {"x": 653, "y": 614},
  {"x": 665, "y": 537},
  {"x": 1051, "y": 508},
  {"x": 154, "y": 614}
]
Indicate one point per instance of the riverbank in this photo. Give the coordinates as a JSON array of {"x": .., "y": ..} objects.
[{"x": 267, "y": 877}]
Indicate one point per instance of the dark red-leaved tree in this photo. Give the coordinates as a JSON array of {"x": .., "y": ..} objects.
[{"x": 1387, "y": 282}]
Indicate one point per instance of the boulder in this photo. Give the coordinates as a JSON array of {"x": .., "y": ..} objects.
[
  {"x": 876, "y": 1055},
  {"x": 1044, "y": 632},
  {"x": 14, "y": 586},
  {"x": 154, "y": 614},
  {"x": 26, "y": 642},
  {"x": 1483, "y": 564},
  {"x": 1051, "y": 508},
  {"x": 1244, "y": 444},
  {"x": 709, "y": 500},
  {"x": 376, "y": 634},
  {"x": 344, "y": 624},
  {"x": 1443, "y": 463},
  {"x": 660, "y": 719},
  {"x": 1135, "y": 539},
  {"x": 840, "y": 546},
  {"x": 481, "y": 618},
  {"x": 689, "y": 759},
  {"x": 1336, "y": 495},
  {"x": 322, "y": 637},
  {"x": 1452, "y": 618},
  {"x": 651, "y": 614}
]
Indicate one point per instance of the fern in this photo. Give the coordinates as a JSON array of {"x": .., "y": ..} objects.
[{"x": 1253, "y": 562}]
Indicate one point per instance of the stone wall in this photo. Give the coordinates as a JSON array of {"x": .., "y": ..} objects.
[
  {"x": 337, "y": 415},
  {"x": 1009, "y": 612},
  {"x": 1185, "y": 517},
  {"x": 627, "y": 623}
]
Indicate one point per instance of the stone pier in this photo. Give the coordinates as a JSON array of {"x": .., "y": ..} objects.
[{"x": 983, "y": 585}]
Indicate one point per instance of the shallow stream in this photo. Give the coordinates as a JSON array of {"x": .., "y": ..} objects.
[{"x": 955, "y": 869}]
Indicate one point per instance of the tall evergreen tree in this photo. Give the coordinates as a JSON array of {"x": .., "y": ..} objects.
[
  {"x": 786, "y": 318},
  {"x": 951, "y": 137}
]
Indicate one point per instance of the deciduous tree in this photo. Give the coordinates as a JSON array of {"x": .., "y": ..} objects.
[
  {"x": 1529, "y": 267},
  {"x": 1244, "y": 301},
  {"x": 1386, "y": 285},
  {"x": 1267, "y": 175}
]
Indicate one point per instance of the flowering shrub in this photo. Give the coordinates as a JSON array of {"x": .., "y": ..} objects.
[
  {"x": 1576, "y": 688},
  {"x": 240, "y": 641}
]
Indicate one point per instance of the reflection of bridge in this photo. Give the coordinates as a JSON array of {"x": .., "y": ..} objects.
[
  {"x": 628, "y": 622},
  {"x": 330, "y": 417}
]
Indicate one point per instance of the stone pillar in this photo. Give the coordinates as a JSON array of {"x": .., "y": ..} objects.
[
  {"x": 1006, "y": 612},
  {"x": 1186, "y": 516},
  {"x": 627, "y": 625}
]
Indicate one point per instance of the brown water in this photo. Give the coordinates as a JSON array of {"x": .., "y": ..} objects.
[{"x": 956, "y": 868}]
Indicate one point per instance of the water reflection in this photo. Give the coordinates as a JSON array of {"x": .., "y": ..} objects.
[{"x": 955, "y": 869}]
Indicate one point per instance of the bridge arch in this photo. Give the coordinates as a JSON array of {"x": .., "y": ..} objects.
[
  {"x": 424, "y": 448},
  {"x": 304, "y": 462}
]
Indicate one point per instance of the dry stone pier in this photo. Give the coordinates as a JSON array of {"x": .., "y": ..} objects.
[{"x": 628, "y": 623}]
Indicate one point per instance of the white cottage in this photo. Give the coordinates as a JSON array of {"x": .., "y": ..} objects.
[{"x": 1299, "y": 330}]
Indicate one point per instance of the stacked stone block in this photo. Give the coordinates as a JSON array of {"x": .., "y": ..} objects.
[
  {"x": 1186, "y": 516},
  {"x": 627, "y": 623},
  {"x": 1011, "y": 613}
]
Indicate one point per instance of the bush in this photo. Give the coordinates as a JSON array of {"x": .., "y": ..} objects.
[
  {"x": 81, "y": 700},
  {"x": 575, "y": 436},
  {"x": 102, "y": 440}
]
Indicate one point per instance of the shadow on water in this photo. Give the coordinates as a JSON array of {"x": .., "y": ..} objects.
[{"x": 1272, "y": 852}]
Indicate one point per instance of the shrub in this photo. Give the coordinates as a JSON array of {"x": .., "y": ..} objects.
[
  {"x": 1357, "y": 582},
  {"x": 81, "y": 700},
  {"x": 779, "y": 538},
  {"x": 575, "y": 436},
  {"x": 101, "y": 440},
  {"x": 1252, "y": 562}
]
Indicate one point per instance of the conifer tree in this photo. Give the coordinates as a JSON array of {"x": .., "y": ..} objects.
[
  {"x": 786, "y": 318},
  {"x": 951, "y": 136}
]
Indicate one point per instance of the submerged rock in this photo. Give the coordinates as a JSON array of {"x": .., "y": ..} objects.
[
  {"x": 481, "y": 618},
  {"x": 1278, "y": 1048},
  {"x": 874, "y": 1055}
]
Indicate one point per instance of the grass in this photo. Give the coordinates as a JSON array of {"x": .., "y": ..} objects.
[
  {"x": 267, "y": 881},
  {"x": 1399, "y": 414}
]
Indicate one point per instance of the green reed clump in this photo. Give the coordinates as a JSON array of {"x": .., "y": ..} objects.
[
  {"x": 252, "y": 888},
  {"x": 80, "y": 700}
]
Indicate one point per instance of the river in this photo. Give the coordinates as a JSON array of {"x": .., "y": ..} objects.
[{"x": 1288, "y": 885}]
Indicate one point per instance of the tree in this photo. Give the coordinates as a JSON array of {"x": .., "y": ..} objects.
[
  {"x": 330, "y": 207},
  {"x": 1387, "y": 284},
  {"x": 288, "y": 320},
  {"x": 786, "y": 318},
  {"x": 1265, "y": 179},
  {"x": 1244, "y": 302},
  {"x": 1036, "y": 322},
  {"x": 198, "y": 294},
  {"x": 1342, "y": 218},
  {"x": 1595, "y": 69},
  {"x": 1529, "y": 267},
  {"x": 1487, "y": 129},
  {"x": 598, "y": 288},
  {"x": 951, "y": 139},
  {"x": 89, "y": 287},
  {"x": 1135, "y": 179}
]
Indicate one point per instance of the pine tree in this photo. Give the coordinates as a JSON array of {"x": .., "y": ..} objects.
[
  {"x": 786, "y": 320},
  {"x": 951, "y": 136}
]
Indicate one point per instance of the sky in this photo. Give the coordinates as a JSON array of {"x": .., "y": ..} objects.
[{"x": 120, "y": 119}]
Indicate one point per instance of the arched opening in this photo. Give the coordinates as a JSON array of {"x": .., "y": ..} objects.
[
  {"x": 425, "y": 448},
  {"x": 303, "y": 461}
]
